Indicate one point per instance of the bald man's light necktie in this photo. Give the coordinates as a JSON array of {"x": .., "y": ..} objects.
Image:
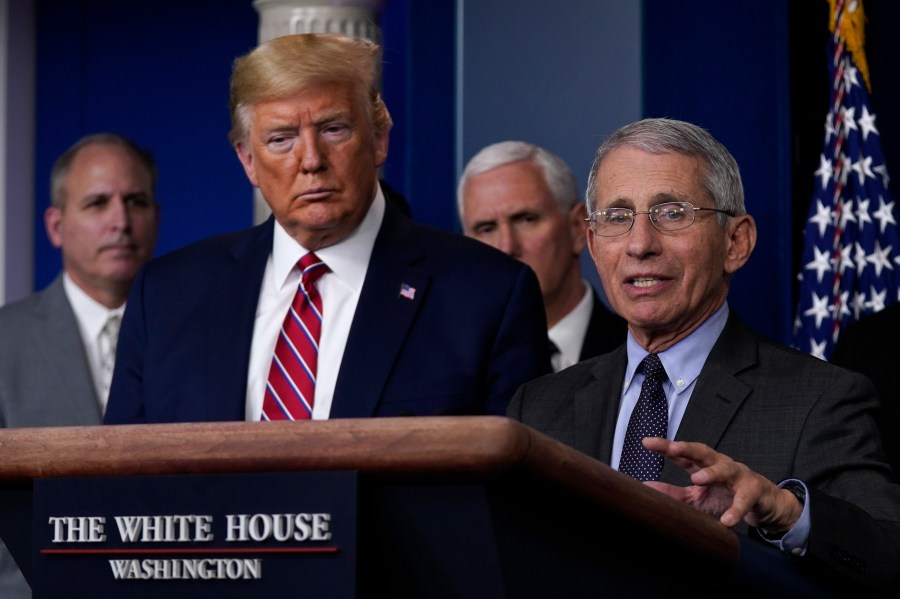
[
  {"x": 291, "y": 386},
  {"x": 106, "y": 342},
  {"x": 650, "y": 418}
]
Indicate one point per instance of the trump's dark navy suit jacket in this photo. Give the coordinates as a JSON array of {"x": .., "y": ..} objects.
[{"x": 472, "y": 334}]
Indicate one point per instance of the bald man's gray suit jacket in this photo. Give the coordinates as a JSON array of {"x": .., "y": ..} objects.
[
  {"x": 45, "y": 379},
  {"x": 782, "y": 413}
]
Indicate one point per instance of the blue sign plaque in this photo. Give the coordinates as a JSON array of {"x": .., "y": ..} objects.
[{"x": 216, "y": 535}]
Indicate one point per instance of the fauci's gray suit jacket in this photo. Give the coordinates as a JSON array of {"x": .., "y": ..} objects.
[
  {"x": 782, "y": 413},
  {"x": 45, "y": 380}
]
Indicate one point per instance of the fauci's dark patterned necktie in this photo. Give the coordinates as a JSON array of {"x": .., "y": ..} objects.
[{"x": 650, "y": 418}]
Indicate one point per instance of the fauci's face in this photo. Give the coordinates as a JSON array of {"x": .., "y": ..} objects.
[
  {"x": 511, "y": 208},
  {"x": 314, "y": 156},
  {"x": 107, "y": 225},
  {"x": 665, "y": 284}
]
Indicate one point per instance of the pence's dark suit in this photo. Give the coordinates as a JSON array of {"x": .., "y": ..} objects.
[
  {"x": 782, "y": 413},
  {"x": 605, "y": 331}
]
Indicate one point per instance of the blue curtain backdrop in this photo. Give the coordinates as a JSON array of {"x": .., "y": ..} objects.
[{"x": 158, "y": 72}]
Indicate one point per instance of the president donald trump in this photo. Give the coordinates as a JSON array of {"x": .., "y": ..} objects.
[{"x": 337, "y": 306}]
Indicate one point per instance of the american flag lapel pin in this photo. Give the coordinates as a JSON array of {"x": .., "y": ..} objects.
[{"x": 408, "y": 292}]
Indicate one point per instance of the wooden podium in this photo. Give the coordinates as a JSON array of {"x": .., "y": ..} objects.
[{"x": 448, "y": 507}]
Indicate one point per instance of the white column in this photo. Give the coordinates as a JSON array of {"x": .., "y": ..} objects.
[
  {"x": 17, "y": 41},
  {"x": 353, "y": 18}
]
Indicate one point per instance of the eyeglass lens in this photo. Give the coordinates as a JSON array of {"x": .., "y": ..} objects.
[{"x": 670, "y": 216}]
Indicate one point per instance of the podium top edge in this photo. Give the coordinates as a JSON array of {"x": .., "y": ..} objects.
[{"x": 378, "y": 445}]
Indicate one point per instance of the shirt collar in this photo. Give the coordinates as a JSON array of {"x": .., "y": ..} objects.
[
  {"x": 90, "y": 313},
  {"x": 568, "y": 333},
  {"x": 347, "y": 259},
  {"x": 684, "y": 360}
]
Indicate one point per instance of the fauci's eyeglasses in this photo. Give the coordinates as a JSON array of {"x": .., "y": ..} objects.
[{"x": 668, "y": 216}]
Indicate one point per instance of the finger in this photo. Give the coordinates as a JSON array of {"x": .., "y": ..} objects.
[
  {"x": 662, "y": 446},
  {"x": 657, "y": 444},
  {"x": 749, "y": 490},
  {"x": 689, "y": 456},
  {"x": 672, "y": 491},
  {"x": 740, "y": 507},
  {"x": 699, "y": 453},
  {"x": 746, "y": 486},
  {"x": 725, "y": 471}
]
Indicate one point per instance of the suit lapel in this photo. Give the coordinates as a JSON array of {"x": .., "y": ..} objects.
[
  {"x": 234, "y": 296},
  {"x": 58, "y": 338},
  {"x": 718, "y": 394},
  {"x": 597, "y": 406},
  {"x": 593, "y": 336},
  {"x": 382, "y": 320}
]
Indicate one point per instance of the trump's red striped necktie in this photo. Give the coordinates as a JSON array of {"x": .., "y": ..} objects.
[{"x": 291, "y": 386}]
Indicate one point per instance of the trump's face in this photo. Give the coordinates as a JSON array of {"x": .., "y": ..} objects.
[
  {"x": 314, "y": 157},
  {"x": 664, "y": 283}
]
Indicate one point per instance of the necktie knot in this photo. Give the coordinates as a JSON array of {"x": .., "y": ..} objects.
[
  {"x": 653, "y": 368},
  {"x": 311, "y": 269},
  {"x": 109, "y": 335},
  {"x": 555, "y": 355}
]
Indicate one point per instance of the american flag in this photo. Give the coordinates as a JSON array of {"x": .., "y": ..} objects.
[
  {"x": 852, "y": 246},
  {"x": 407, "y": 291}
]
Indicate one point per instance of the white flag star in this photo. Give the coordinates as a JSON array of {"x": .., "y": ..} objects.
[
  {"x": 846, "y": 214},
  {"x": 845, "y": 169},
  {"x": 860, "y": 257},
  {"x": 863, "y": 169},
  {"x": 819, "y": 309},
  {"x": 845, "y": 260},
  {"x": 849, "y": 113},
  {"x": 879, "y": 258},
  {"x": 862, "y": 212},
  {"x": 821, "y": 263},
  {"x": 881, "y": 169},
  {"x": 850, "y": 74},
  {"x": 818, "y": 349},
  {"x": 822, "y": 217},
  {"x": 877, "y": 301},
  {"x": 867, "y": 123},
  {"x": 829, "y": 126},
  {"x": 840, "y": 310},
  {"x": 884, "y": 214},
  {"x": 825, "y": 172}
]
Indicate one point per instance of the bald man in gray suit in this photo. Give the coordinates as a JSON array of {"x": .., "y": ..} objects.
[
  {"x": 56, "y": 345},
  {"x": 44, "y": 375},
  {"x": 104, "y": 220}
]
